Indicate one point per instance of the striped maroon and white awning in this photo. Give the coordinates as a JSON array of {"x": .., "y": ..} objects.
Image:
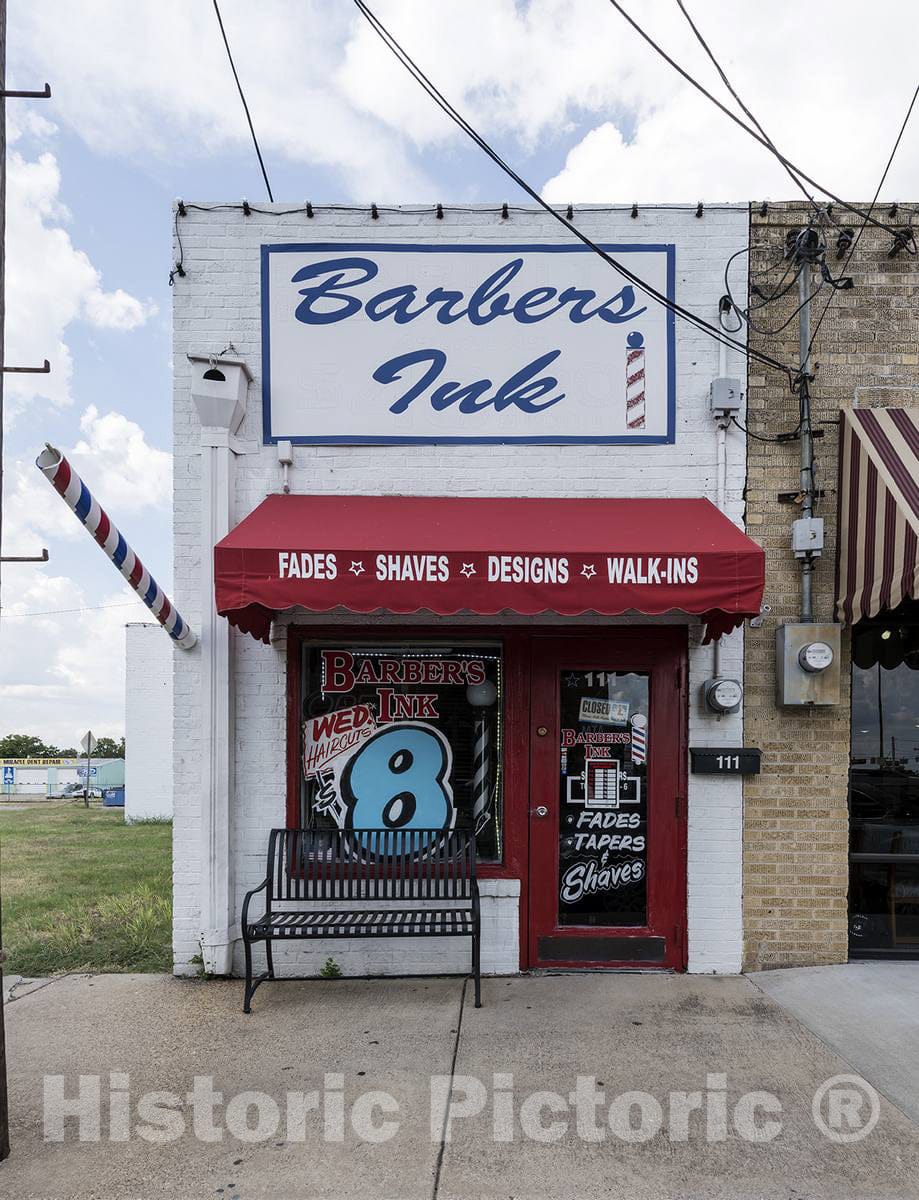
[{"x": 877, "y": 565}]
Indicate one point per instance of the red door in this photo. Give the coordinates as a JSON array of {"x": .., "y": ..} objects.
[{"x": 607, "y": 884}]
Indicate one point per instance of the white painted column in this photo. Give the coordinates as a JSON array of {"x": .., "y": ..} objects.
[{"x": 221, "y": 407}]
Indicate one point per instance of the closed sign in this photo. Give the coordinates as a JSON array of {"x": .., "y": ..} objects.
[{"x": 376, "y": 342}]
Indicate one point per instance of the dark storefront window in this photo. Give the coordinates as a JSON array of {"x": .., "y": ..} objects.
[
  {"x": 403, "y": 736},
  {"x": 884, "y": 786}
]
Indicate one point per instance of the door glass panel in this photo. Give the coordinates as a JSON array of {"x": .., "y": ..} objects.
[{"x": 603, "y": 798}]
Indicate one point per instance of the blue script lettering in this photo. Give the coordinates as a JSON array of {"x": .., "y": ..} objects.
[
  {"x": 330, "y": 298},
  {"x": 307, "y": 308},
  {"x": 521, "y": 390}
]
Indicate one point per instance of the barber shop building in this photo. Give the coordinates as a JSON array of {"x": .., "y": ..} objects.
[{"x": 480, "y": 529}]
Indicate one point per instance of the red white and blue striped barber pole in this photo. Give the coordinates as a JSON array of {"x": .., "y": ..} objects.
[
  {"x": 639, "y": 729},
  {"x": 74, "y": 492},
  {"x": 635, "y": 381}
]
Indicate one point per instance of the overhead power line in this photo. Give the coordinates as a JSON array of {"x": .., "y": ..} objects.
[
  {"x": 896, "y": 147},
  {"x": 242, "y": 96},
  {"x": 754, "y": 133},
  {"x": 727, "y": 83},
  {"x": 59, "y": 612},
  {"x": 692, "y": 318}
]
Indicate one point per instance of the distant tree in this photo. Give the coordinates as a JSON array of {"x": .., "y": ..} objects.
[
  {"x": 26, "y": 745},
  {"x": 68, "y": 753},
  {"x": 107, "y": 747}
]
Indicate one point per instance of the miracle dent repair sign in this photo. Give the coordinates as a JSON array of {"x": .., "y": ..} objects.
[{"x": 383, "y": 342}]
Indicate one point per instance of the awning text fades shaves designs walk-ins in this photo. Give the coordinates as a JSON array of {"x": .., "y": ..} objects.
[{"x": 405, "y": 554}]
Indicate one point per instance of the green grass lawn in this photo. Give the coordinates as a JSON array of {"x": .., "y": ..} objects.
[{"x": 82, "y": 891}]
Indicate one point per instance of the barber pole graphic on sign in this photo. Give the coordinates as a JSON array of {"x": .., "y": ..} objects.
[
  {"x": 639, "y": 724},
  {"x": 635, "y": 381}
]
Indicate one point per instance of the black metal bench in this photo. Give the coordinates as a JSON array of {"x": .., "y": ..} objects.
[{"x": 371, "y": 883}]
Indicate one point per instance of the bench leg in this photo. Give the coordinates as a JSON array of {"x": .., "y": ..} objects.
[
  {"x": 476, "y": 969},
  {"x": 247, "y": 997},
  {"x": 252, "y": 984},
  {"x": 270, "y": 958}
]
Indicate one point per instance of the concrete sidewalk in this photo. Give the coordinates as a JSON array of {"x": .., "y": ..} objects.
[
  {"x": 657, "y": 1034},
  {"x": 866, "y": 1011}
]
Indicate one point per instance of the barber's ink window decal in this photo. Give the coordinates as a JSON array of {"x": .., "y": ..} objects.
[
  {"x": 404, "y": 737},
  {"x": 603, "y": 799}
]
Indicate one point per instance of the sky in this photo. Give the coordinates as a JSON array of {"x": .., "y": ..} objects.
[{"x": 144, "y": 109}]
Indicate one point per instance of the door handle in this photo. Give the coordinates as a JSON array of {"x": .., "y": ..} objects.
[{"x": 539, "y": 811}]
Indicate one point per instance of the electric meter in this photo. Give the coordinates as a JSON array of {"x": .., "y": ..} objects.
[
  {"x": 723, "y": 695},
  {"x": 816, "y": 656}
]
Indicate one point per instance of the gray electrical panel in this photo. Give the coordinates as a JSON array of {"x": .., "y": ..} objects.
[
  {"x": 725, "y": 395},
  {"x": 807, "y": 537},
  {"x": 807, "y": 663}
]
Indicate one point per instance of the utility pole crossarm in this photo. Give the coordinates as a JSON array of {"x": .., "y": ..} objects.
[{"x": 43, "y": 557}]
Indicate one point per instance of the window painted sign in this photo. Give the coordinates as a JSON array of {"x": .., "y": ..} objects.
[
  {"x": 404, "y": 737},
  {"x": 500, "y": 343}
]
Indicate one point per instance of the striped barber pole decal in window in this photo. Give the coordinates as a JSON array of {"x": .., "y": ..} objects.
[
  {"x": 77, "y": 496},
  {"x": 639, "y": 731}
]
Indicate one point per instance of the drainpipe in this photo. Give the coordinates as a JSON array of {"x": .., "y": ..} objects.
[{"x": 219, "y": 388}]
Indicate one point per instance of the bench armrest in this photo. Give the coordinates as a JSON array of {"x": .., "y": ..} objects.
[{"x": 254, "y": 892}]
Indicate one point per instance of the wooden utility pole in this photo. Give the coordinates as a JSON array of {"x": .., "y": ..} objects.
[
  {"x": 42, "y": 370},
  {"x": 4, "y": 1094}
]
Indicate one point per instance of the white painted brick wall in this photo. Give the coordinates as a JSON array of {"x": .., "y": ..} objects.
[
  {"x": 218, "y": 302},
  {"x": 147, "y": 722}
]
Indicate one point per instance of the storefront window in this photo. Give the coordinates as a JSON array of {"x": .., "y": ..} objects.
[
  {"x": 404, "y": 737},
  {"x": 884, "y": 786}
]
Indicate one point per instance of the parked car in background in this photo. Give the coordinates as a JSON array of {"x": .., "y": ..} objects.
[{"x": 74, "y": 790}]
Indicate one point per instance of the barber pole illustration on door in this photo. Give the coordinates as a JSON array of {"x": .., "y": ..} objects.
[
  {"x": 639, "y": 730},
  {"x": 635, "y": 381},
  {"x": 77, "y": 496}
]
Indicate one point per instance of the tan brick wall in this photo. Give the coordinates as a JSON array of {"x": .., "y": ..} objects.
[{"x": 796, "y": 819}]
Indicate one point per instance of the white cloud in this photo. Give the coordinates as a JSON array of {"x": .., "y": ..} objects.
[
  {"x": 63, "y": 672},
  {"x": 53, "y": 282},
  {"x": 131, "y": 473},
  {"x": 660, "y": 165},
  {"x": 150, "y": 81},
  {"x": 116, "y": 310},
  {"x": 835, "y": 112},
  {"x": 524, "y": 69},
  {"x": 119, "y": 466}
]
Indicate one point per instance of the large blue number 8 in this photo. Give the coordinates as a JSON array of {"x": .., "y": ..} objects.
[{"x": 400, "y": 779}]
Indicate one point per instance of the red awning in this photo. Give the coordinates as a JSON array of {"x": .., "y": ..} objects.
[{"x": 405, "y": 554}]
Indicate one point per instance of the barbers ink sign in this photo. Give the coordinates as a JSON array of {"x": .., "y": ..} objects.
[{"x": 390, "y": 343}]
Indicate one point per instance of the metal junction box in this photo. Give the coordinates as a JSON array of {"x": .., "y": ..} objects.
[
  {"x": 725, "y": 395},
  {"x": 807, "y": 537},
  {"x": 807, "y": 664}
]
